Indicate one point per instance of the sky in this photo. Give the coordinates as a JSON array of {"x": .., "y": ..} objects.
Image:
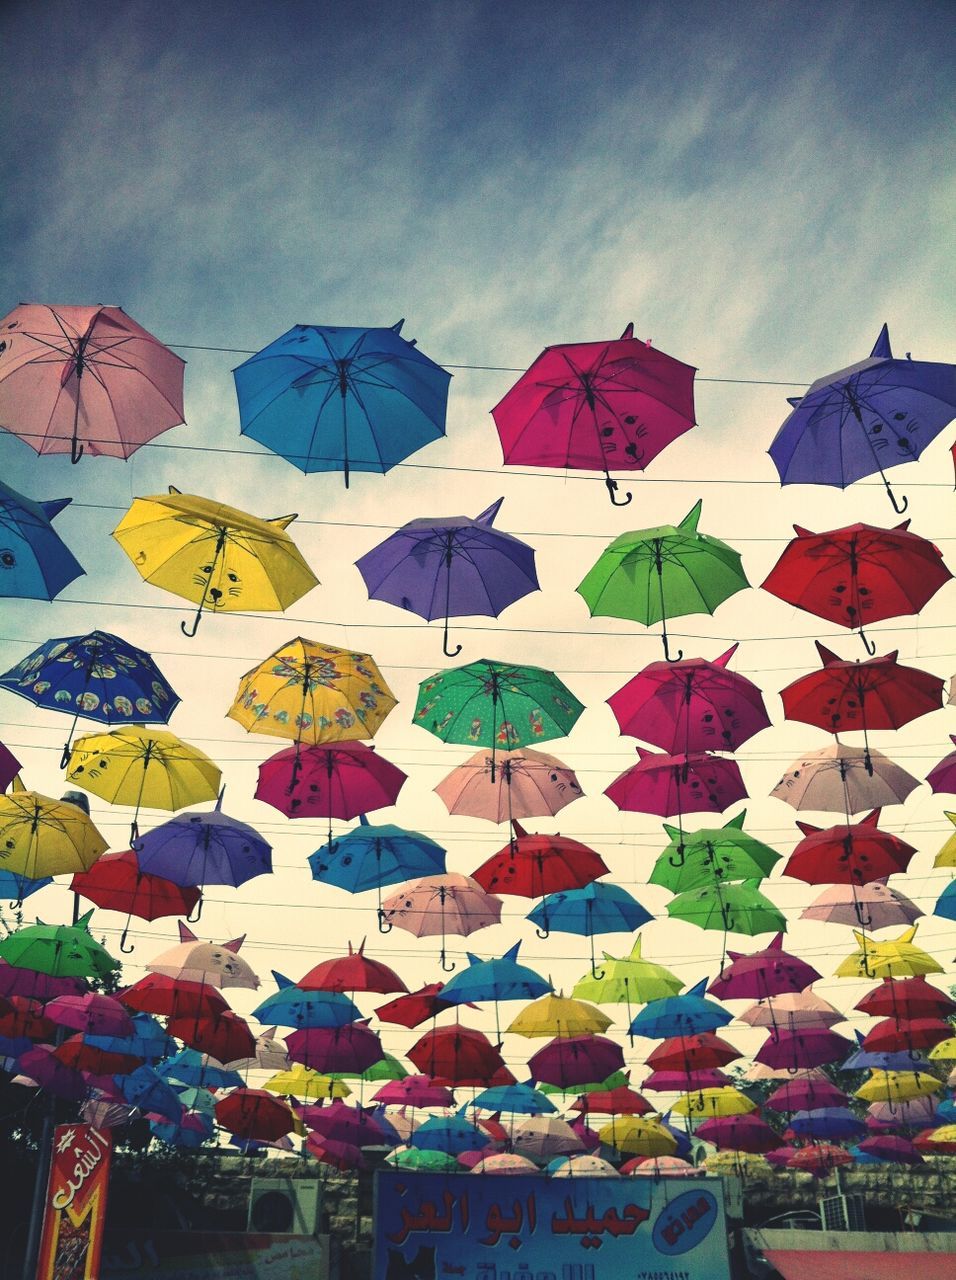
[{"x": 758, "y": 188}]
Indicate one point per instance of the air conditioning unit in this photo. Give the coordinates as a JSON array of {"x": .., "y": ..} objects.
[
  {"x": 842, "y": 1213},
  {"x": 285, "y": 1206}
]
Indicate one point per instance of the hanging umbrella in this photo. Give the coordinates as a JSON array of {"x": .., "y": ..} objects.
[
  {"x": 875, "y": 694},
  {"x": 91, "y": 1013},
  {"x": 516, "y": 1099},
  {"x": 897, "y": 1086},
  {"x": 191, "y": 1132},
  {"x": 9, "y": 767},
  {"x": 353, "y": 972},
  {"x": 874, "y": 905},
  {"x": 947, "y": 855},
  {"x": 59, "y": 951},
  {"x": 337, "y": 1155},
  {"x": 694, "y": 1052},
  {"x": 555, "y": 1015},
  {"x": 532, "y": 865},
  {"x": 414, "y": 1008},
  {"x": 617, "y": 1079},
  {"x": 695, "y": 859},
  {"x": 864, "y": 418},
  {"x": 35, "y": 563},
  {"x": 590, "y": 406},
  {"x": 451, "y": 1134},
  {"x": 894, "y": 1034},
  {"x": 863, "y": 1059},
  {"x": 500, "y": 978},
  {"x": 638, "y": 1136},
  {"x": 679, "y": 784},
  {"x": 342, "y": 399},
  {"x": 526, "y": 784},
  {"x": 214, "y": 555},
  {"x": 620, "y": 1101},
  {"x": 215, "y": 965},
  {"x": 739, "y": 1133},
  {"x": 496, "y": 704},
  {"x": 340, "y": 780},
  {"x": 628, "y": 979},
  {"x": 428, "y": 1161},
  {"x": 135, "y": 767},
  {"x": 858, "y": 575},
  {"x": 679, "y": 1015},
  {"x": 45, "y": 837},
  {"x": 79, "y": 1056},
  {"x": 98, "y": 676},
  {"x": 505, "y": 1162},
  {"x": 24, "y": 1019},
  {"x": 224, "y": 1036},
  {"x": 725, "y": 1100},
  {"x": 198, "y": 1070},
  {"x": 848, "y": 854},
  {"x": 808, "y": 1047},
  {"x": 838, "y": 1123},
  {"x": 290, "y": 1006},
  {"x": 456, "y": 1055},
  {"x": 145, "y": 1089},
  {"x": 732, "y": 908},
  {"x": 597, "y": 908},
  {"x": 650, "y": 575},
  {"x": 173, "y": 997},
  {"x": 302, "y": 1082},
  {"x": 844, "y": 779},
  {"x": 690, "y": 705},
  {"x": 115, "y": 882},
  {"x": 893, "y": 1148},
  {"x": 805, "y": 1095},
  {"x": 658, "y": 1167},
  {"x": 387, "y": 1067},
  {"x": 819, "y": 1158},
  {"x": 39, "y": 1067},
  {"x": 541, "y": 1138},
  {"x": 343, "y": 1123},
  {"x": 370, "y": 857},
  {"x": 415, "y": 1091},
  {"x": 906, "y": 998},
  {"x": 942, "y": 776},
  {"x": 74, "y": 379},
  {"x": 761, "y": 974},
  {"x": 313, "y": 693},
  {"x": 18, "y": 888},
  {"x": 946, "y": 902},
  {"x": 792, "y": 1010},
  {"x": 352, "y": 1047},
  {"x": 890, "y": 958},
  {"x": 450, "y": 567},
  {"x": 442, "y": 905},
  {"x": 575, "y": 1060}
]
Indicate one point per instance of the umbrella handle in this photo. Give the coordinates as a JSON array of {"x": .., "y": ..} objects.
[
  {"x": 868, "y": 644},
  {"x": 449, "y": 653},
  {"x": 679, "y": 860},
  {"x": 543, "y": 933},
  {"x": 897, "y": 507},
  {"x": 126, "y": 950},
  {"x": 596, "y": 973},
  {"x": 446, "y": 968},
  {"x": 191, "y": 631},
  {"x": 612, "y": 490},
  {"x": 133, "y": 833},
  {"x": 384, "y": 926},
  {"x": 191, "y": 919},
  {"x": 667, "y": 653},
  {"x": 76, "y": 451}
]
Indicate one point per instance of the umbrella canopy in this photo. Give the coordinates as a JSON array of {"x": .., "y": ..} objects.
[
  {"x": 253, "y": 1113},
  {"x": 302, "y": 1082},
  {"x": 690, "y": 705},
  {"x": 428, "y": 1161},
  {"x": 658, "y": 1167},
  {"x": 864, "y": 418},
  {"x": 575, "y": 1060},
  {"x": 340, "y": 398},
  {"x": 145, "y": 1089},
  {"x": 947, "y": 855},
  {"x": 848, "y": 854},
  {"x": 77, "y": 379},
  {"x": 343, "y": 1123},
  {"x": 143, "y": 767},
  {"x": 844, "y": 779},
  {"x": 532, "y": 865},
  {"x": 519, "y": 1099},
  {"x": 414, "y": 1008},
  {"x": 892, "y": 1148},
  {"x": 18, "y": 888},
  {"x": 353, "y": 972},
  {"x": 207, "y": 847},
  {"x": 897, "y": 1033},
  {"x": 313, "y": 693},
  {"x": 638, "y": 1136},
  {"x": 337, "y": 1155},
  {"x": 942, "y": 776},
  {"x": 693, "y": 1052},
  {"x": 946, "y": 903},
  {"x": 352, "y": 1047},
  {"x": 456, "y": 1055},
  {"x": 709, "y": 855},
  {"x": 873, "y": 905},
  {"x": 91, "y": 1013},
  {"x": 415, "y": 1091},
  {"x": 666, "y": 785},
  {"x": 725, "y": 1100},
  {"x": 808, "y": 1047},
  {"x": 525, "y": 784},
  {"x": 826, "y": 1122},
  {"x": 35, "y": 562},
  {"x": 45, "y": 837},
  {"x": 739, "y": 1133},
  {"x": 9, "y": 767},
  {"x": 505, "y": 1162},
  {"x": 805, "y": 1095},
  {"x": 500, "y": 978},
  {"x": 450, "y": 567},
  {"x": 555, "y": 1015},
  {"x": 452, "y": 1134},
  {"x": 597, "y": 908},
  {"x": 769, "y": 972},
  {"x": 214, "y": 555},
  {"x": 198, "y": 1070},
  {"x": 224, "y": 1036},
  {"x": 897, "y": 1086},
  {"x": 858, "y": 575},
  {"x": 174, "y": 997},
  {"x": 622, "y": 1100},
  {"x": 442, "y": 905},
  {"x": 58, "y": 950},
  {"x": 116, "y": 882},
  {"x": 541, "y": 1138},
  {"x": 890, "y": 958},
  {"x": 733, "y": 908},
  {"x": 628, "y": 979},
  {"x": 340, "y": 780},
  {"x": 290, "y": 1006},
  {"x": 213, "y": 964},
  {"x": 594, "y": 405},
  {"x": 680, "y": 1015},
  {"x": 792, "y": 1010},
  {"x": 906, "y": 998},
  {"x": 820, "y": 1158}
]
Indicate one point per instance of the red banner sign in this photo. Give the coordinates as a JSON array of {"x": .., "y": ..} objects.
[{"x": 75, "y": 1208}]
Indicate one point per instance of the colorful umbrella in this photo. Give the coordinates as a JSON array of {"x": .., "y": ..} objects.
[
  {"x": 500, "y": 978},
  {"x": 290, "y": 1006},
  {"x": 415, "y": 1091},
  {"x": 725, "y": 1100},
  {"x": 679, "y": 1015},
  {"x": 805, "y": 1095},
  {"x": 352, "y": 1047},
  {"x": 517, "y": 1099},
  {"x": 441, "y": 905},
  {"x": 792, "y": 1010},
  {"x": 638, "y": 1136},
  {"x": 597, "y": 908},
  {"x": 173, "y": 997},
  {"x": 45, "y": 837},
  {"x": 906, "y": 998},
  {"x": 456, "y": 1055},
  {"x": 86, "y": 378},
  {"x": 897, "y": 1086},
  {"x": 555, "y": 1015},
  {"x": 532, "y": 865},
  {"x": 115, "y": 882},
  {"x": 343, "y": 1123},
  {"x": 342, "y": 399},
  {"x": 942, "y": 776},
  {"x": 216, "y": 556},
  {"x": 59, "y": 951},
  {"x": 762, "y": 974},
  {"x": 414, "y": 1008},
  {"x": 732, "y": 908},
  {"x": 666, "y": 785},
  {"x": 452, "y": 1134},
  {"x": 426, "y": 1161},
  {"x": 619, "y": 1101},
  {"x": 658, "y": 1167},
  {"x": 848, "y": 854},
  {"x": 808, "y": 1047},
  {"x": 575, "y": 1060},
  {"x": 947, "y": 855},
  {"x": 253, "y": 1113},
  {"x": 541, "y": 1138},
  {"x": 891, "y": 958},
  {"x": 337, "y": 1155},
  {"x": 946, "y": 902},
  {"x": 712, "y": 854},
  {"x": 844, "y": 779},
  {"x": 450, "y": 567},
  {"x": 873, "y": 905},
  {"x": 739, "y": 1133},
  {"x": 593, "y": 405},
  {"x": 505, "y": 1162},
  {"x": 340, "y": 780},
  {"x": 628, "y": 979},
  {"x": 302, "y": 1082},
  {"x": 200, "y": 1072},
  {"x": 694, "y": 1052},
  {"x": 91, "y": 1013},
  {"x": 819, "y": 1158},
  {"x": 526, "y": 784},
  {"x": 894, "y": 1034},
  {"x": 353, "y": 972},
  {"x": 864, "y": 418},
  {"x": 35, "y": 562},
  {"x": 18, "y": 888},
  {"x": 650, "y": 575},
  {"x": 224, "y": 1036}
]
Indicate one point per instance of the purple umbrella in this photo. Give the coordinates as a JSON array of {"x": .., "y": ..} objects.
[
  {"x": 92, "y": 1014},
  {"x": 587, "y": 1135},
  {"x": 810, "y": 1047},
  {"x": 762, "y": 974},
  {"x": 942, "y": 776},
  {"x": 15, "y": 981},
  {"x": 832, "y": 1123},
  {"x": 887, "y": 1146},
  {"x": 348, "y": 1048},
  {"x": 574, "y": 1060},
  {"x": 678, "y": 784},
  {"x": 685, "y": 1081},
  {"x": 9, "y": 767},
  {"x": 916, "y": 1113},
  {"x": 779, "y": 1157},
  {"x": 40, "y": 1065},
  {"x": 342, "y": 1123},
  {"x": 739, "y": 1133},
  {"x": 450, "y": 567}
]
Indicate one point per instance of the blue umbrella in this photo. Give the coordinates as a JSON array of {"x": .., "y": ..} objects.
[
  {"x": 450, "y": 567},
  {"x": 148, "y": 1040},
  {"x": 827, "y": 1122},
  {"x": 342, "y": 399},
  {"x": 189, "y": 1067},
  {"x": 145, "y": 1089},
  {"x": 862, "y": 1059},
  {"x": 17, "y": 887},
  {"x": 684, "y": 1146},
  {"x": 865, "y": 1157},
  {"x": 191, "y": 1132},
  {"x": 197, "y": 1099},
  {"x": 500, "y": 978},
  {"x": 451, "y": 1134},
  {"x": 597, "y": 908},
  {"x": 290, "y": 1006},
  {"x": 519, "y": 1098},
  {"x": 865, "y": 418},
  {"x": 35, "y": 563},
  {"x": 683, "y": 1015},
  {"x": 97, "y": 676},
  {"x": 946, "y": 903},
  {"x": 370, "y": 857},
  {"x": 946, "y": 1111}
]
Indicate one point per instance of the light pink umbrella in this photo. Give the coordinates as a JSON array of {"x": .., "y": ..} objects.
[
  {"x": 844, "y": 779},
  {"x": 544, "y": 1137},
  {"x": 869, "y": 906},
  {"x": 659, "y": 1167},
  {"x": 213, "y": 964},
  {"x": 442, "y": 905},
  {"x": 917, "y": 1113},
  {"x": 271, "y": 1053},
  {"x": 585, "y": 1167},
  {"x": 525, "y": 784},
  {"x": 505, "y": 1162},
  {"x": 75, "y": 379},
  {"x": 792, "y": 1010}
]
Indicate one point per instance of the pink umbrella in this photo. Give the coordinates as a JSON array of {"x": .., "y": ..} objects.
[
  {"x": 844, "y": 779},
  {"x": 589, "y": 1137},
  {"x": 343, "y": 1123},
  {"x": 739, "y": 1133},
  {"x": 92, "y": 1014},
  {"x": 76, "y": 378},
  {"x": 942, "y": 776},
  {"x": 658, "y": 1167},
  {"x": 104, "y": 1113},
  {"x": 669, "y": 785},
  {"x": 810, "y": 1047},
  {"x": 589, "y": 1166},
  {"x": 915, "y": 1113},
  {"x": 337, "y": 1155},
  {"x": 468, "y": 1159},
  {"x": 352, "y": 1047},
  {"x": 414, "y": 1091},
  {"x": 793, "y": 1010},
  {"x": 806, "y": 1095},
  {"x": 574, "y": 1060},
  {"x": 543, "y": 1137},
  {"x": 760, "y": 974},
  {"x": 332, "y": 780},
  {"x": 440, "y": 905},
  {"x": 871, "y": 906},
  {"x": 210, "y": 963},
  {"x": 691, "y": 705},
  {"x": 525, "y": 784},
  {"x": 16, "y": 981},
  {"x": 685, "y": 1081},
  {"x": 403, "y": 1120},
  {"x": 779, "y": 1157},
  {"x": 504, "y": 1162},
  {"x": 891, "y": 1147}
]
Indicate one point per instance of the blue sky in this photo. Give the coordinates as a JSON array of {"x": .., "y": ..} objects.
[{"x": 757, "y": 186}]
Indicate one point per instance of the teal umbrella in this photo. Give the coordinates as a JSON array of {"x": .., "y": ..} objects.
[
  {"x": 650, "y": 575},
  {"x": 697, "y": 858}
]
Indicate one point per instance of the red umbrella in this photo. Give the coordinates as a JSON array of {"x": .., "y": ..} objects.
[
  {"x": 337, "y": 1155},
  {"x": 354, "y": 972},
  {"x": 889, "y": 1146},
  {"x": 414, "y": 1091},
  {"x": 809, "y": 1047},
  {"x": 692, "y": 706},
  {"x": 685, "y": 1081},
  {"x": 456, "y": 1055},
  {"x": 575, "y": 1060},
  {"x": 669, "y": 785},
  {"x": 690, "y": 1053},
  {"x": 851, "y": 853},
  {"x": 531, "y": 865},
  {"x": 739, "y": 1133},
  {"x": 343, "y": 1123},
  {"x": 173, "y": 997},
  {"x": 897, "y": 1034},
  {"x": 906, "y": 998},
  {"x": 875, "y": 694},
  {"x": 332, "y": 780},
  {"x": 254, "y": 1113},
  {"x": 820, "y": 1158},
  {"x": 859, "y": 574},
  {"x": 416, "y": 1007},
  {"x": 79, "y": 1056},
  {"x": 115, "y": 883},
  {"x": 24, "y": 1019},
  {"x": 352, "y": 1047},
  {"x": 761, "y": 974},
  {"x": 224, "y": 1036},
  {"x": 620, "y": 1101}
]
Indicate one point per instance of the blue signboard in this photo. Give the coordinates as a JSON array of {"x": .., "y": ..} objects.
[{"x": 466, "y": 1227}]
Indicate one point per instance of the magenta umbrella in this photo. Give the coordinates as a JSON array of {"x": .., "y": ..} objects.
[
  {"x": 92, "y": 1014},
  {"x": 686, "y": 1081},
  {"x": 352, "y": 1047},
  {"x": 809, "y": 1047},
  {"x": 669, "y": 785},
  {"x": 414, "y": 1091},
  {"x": 761, "y": 974},
  {"x": 916, "y": 1113},
  {"x": 575, "y": 1060},
  {"x": 739, "y": 1133},
  {"x": 805, "y": 1095},
  {"x": 342, "y": 1123},
  {"x": 9, "y": 767},
  {"x": 332, "y": 780},
  {"x": 888, "y": 1146},
  {"x": 16, "y": 981},
  {"x": 44, "y": 1069},
  {"x": 337, "y": 1155},
  {"x": 691, "y": 706},
  {"x": 942, "y": 776}
]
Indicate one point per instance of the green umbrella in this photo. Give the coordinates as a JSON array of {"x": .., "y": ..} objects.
[
  {"x": 616, "y": 1080},
  {"x": 387, "y": 1068},
  {"x": 60, "y": 950},
  {"x": 496, "y": 705},
  {"x": 651, "y": 575},
  {"x": 734, "y": 908},
  {"x": 627, "y": 980},
  {"x": 710, "y": 854},
  {"x": 416, "y": 1158}
]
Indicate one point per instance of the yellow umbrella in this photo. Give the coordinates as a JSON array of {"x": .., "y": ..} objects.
[
  {"x": 302, "y": 1082},
  {"x": 947, "y": 855},
  {"x": 894, "y": 958},
  {"x": 139, "y": 766},
  {"x": 897, "y": 1086},
  {"x": 41, "y": 837},
  {"x": 558, "y": 1015},
  {"x": 313, "y": 693},
  {"x": 738, "y": 1162},
  {"x": 945, "y": 1133},
  {"x": 216, "y": 556},
  {"x": 638, "y": 1136},
  {"x": 723, "y": 1101},
  {"x": 629, "y": 978},
  {"x": 945, "y": 1051}
]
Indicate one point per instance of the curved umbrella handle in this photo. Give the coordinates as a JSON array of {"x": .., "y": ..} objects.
[
  {"x": 543, "y": 933},
  {"x": 191, "y": 919},
  {"x": 667, "y": 653},
  {"x": 446, "y": 967},
  {"x": 191, "y": 631},
  {"x": 680, "y": 859},
  {"x": 449, "y": 653},
  {"x": 133, "y": 833},
  {"x": 868, "y": 644},
  {"x": 612, "y": 490},
  {"x": 897, "y": 507},
  {"x": 76, "y": 451},
  {"x": 65, "y": 757},
  {"x": 384, "y": 926},
  {"x": 126, "y": 950}
]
